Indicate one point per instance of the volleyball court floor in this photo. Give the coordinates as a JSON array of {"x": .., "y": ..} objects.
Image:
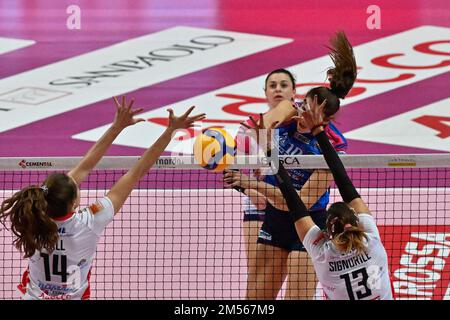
[{"x": 55, "y": 100}]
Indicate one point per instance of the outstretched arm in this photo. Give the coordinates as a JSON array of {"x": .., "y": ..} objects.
[
  {"x": 122, "y": 189},
  {"x": 313, "y": 119},
  {"x": 317, "y": 184},
  {"x": 124, "y": 118}
]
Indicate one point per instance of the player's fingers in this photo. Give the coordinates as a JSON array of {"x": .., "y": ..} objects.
[
  {"x": 130, "y": 105},
  {"x": 261, "y": 121},
  {"x": 307, "y": 107},
  {"x": 188, "y": 111},
  {"x": 322, "y": 106},
  {"x": 116, "y": 102},
  {"x": 198, "y": 117},
  {"x": 253, "y": 121},
  {"x": 136, "y": 111}
]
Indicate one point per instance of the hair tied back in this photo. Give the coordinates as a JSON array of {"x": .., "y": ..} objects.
[{"x": 44, "y": 189}]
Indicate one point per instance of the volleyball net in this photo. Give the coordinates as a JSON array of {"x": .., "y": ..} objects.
[{"x": 180, "y": 233}]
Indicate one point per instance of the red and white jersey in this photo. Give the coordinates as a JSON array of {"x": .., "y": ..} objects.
[
  {"x": 64, "y": 274},
  {"x": 351, "y": 276}
]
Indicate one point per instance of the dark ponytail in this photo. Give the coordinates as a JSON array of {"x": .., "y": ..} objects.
[
  {"x": 342, "y": 76},
  {"x": 31, "y": 210}
]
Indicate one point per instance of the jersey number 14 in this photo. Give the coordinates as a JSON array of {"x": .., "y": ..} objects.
[{"x": 69, "y": 275}]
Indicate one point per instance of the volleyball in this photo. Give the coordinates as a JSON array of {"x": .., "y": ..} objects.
[{"x": 214, "y": 149}]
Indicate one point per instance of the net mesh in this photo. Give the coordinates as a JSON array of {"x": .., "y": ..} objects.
[{"x": 180, "y": 234}]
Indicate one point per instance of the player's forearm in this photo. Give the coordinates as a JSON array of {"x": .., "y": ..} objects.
[
  {"x": 95, "y": 153},
  {"x": 308, "y": 195},
  {"x": 99, "y": 149},
  {"x": 343, "y": 182},
  {"x": 316, "y": 186},
  {"x": 282, "y": 112},
  {"x": 121, "y": 190},
  {"x": 272, "y": 194},
  {"x": 152, "y": 154}
]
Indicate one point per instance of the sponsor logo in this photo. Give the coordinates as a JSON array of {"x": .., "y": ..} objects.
[
  {"x": 421, "y": 272},
  {"x": 302, "y": 138},
  {"x": 264, "y": 235},
  {"x": 153, "y": 58},
  {"x": 55, "y": 289},
  {"x": 127, "y": 66},
  {"x": 23, "y": 164},
  {"x": 385, "y": 64},
  {"x": 168, "y": 162},
  {"x": 290, "y": 161},
  {"x": 34, "y": 164},
  {"x": 44, "y": 296},
  {"x": 81, "y": 263},
  {"x": 32, "y": 96},
  {"x": 402, "y": 163},
  {"x": 319, "y": 238},
  {"x": 96, "y": 207}
]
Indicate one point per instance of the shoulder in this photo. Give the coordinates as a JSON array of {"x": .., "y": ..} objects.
[
  {"x": 96, "y": 207},
  {"x": 314, "y": 241},
  {"x": 102, "y": 207},
  {"x": 367, "y": 221}
]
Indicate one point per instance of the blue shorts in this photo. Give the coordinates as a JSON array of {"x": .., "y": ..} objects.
[{"x": 278, "y": 229}]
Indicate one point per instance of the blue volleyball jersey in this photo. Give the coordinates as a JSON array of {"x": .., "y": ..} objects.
[{"x": 291, "y": 142}]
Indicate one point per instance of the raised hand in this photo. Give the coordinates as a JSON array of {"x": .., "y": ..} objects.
[
  {"x": 312, "y": 116},
  {"x": 261, "y": 133},
  {"x": 184, "y": 121},
  {"x": 236, "y": 179},
  {"x": 125, "y": 115}
]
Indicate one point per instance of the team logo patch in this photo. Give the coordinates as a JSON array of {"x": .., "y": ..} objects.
[
  {"x": 264, "y": 235},
  {"x": 96, "y": 207},
  {"x": 81, "y": 263},
  {"x": 319, "y": 238},
  {"x": 302, "y": 138}
]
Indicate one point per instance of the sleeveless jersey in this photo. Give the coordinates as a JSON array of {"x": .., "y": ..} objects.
[{"x": 292, "y": 142}]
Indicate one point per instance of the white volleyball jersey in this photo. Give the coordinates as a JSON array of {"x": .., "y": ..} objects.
[
  {"x": 351, "y": 276},
  {"x": 64, "y": 274}
]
